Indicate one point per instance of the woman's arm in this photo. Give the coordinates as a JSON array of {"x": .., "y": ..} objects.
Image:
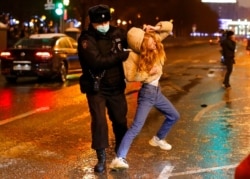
[
  {"x": 131, "y": 72},
  {"x": 163, "y": 28}
]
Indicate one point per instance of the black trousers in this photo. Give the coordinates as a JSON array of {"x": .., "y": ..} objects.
[
  {"x": 116, "y": 107},
  {"x": 228, "y": 73}
]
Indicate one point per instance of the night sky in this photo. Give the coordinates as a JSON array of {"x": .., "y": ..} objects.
[{"x": 24, "y": 9}]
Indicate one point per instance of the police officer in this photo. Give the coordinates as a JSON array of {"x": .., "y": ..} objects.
[{"x": 100, "y": 50}]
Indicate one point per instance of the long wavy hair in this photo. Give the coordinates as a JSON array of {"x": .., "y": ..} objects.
[{"x": 149, "y": 57}]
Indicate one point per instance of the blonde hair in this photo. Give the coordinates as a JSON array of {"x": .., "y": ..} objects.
[{"x": 149, "y": 57}]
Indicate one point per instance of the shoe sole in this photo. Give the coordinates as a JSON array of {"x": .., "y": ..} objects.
[
  {"x": 113, "y": 167},
  {"x": 229, "y": 87},
  {"x": 152, "y": 144},
  {"x": 225, "y": 86},
  {"x": 119, "y": 168},
  {"x": 155, "y": 145}
]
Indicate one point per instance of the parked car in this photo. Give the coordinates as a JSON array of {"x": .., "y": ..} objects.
[
  {"x": 52, "y": 55},
  {"x": 73, "y": 32}
]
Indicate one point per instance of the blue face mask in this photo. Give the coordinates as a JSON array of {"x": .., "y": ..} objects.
[{"x": 102, "y": 28}]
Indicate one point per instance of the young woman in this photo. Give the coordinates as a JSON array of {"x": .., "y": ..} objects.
[{"x": 148, "y": 59}]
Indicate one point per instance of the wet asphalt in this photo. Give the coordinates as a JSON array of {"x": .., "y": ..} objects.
[{"x": 45, "y": 131}]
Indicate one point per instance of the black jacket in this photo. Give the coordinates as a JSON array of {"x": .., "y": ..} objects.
[
  {"x": 102, "y": 55},
  {"x": 228, "y": 50}
]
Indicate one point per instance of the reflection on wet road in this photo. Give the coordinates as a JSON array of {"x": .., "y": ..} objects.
[{"x": 45, "y": 127}]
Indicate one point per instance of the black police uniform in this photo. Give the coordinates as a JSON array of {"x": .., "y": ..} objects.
[{"x": 101, "y": 58}]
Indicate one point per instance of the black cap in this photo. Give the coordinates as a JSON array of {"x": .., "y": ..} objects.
[{"x": 99, "y": 13}]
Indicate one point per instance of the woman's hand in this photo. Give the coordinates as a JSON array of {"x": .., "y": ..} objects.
[{"x": 150, "y": 28}]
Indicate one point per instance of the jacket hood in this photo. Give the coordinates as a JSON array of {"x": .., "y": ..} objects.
[{"x": 135, "y": 37}]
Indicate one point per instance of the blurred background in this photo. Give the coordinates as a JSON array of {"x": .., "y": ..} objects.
[{"x": 190, "y": 17}]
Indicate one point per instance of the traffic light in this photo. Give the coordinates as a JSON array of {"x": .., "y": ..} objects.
[{"x": 59, "y": 8}]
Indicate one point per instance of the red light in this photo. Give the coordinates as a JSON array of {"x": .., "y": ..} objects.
[
  {"x": 6, "y": 98},
  {"x": 41, "y": 99},
  {"x": 6, "y": 103},
  {"x": 5, "y": 54},
  {"x": 43, "y": 55}
]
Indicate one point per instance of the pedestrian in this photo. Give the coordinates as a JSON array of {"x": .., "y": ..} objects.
[
  {"x": 228, "y": 50},
  {"x": 100, "y": 51},
  {"x": 222, "y": 37},
  {"x": 150, "y": 56}
]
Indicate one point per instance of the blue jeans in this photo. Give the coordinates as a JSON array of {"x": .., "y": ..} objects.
[{"x": 149, "y": 96}]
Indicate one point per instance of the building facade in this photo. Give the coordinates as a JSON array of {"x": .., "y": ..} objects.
[{"x": 230, "y": 15}]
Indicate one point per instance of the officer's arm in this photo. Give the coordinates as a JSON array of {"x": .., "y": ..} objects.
[{"x": 95, "y": 59}]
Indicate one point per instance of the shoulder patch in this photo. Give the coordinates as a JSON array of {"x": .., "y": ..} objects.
[{"x": 84, "y": 44}]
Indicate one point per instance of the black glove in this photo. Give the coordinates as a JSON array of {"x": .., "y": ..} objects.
[{"x": 123, "y": 55}]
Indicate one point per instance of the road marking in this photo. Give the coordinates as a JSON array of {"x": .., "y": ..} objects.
[
  {"x": 212, "y": 61},
  {"x": 236, "y": 114},
  {"x": 197, "y": 118},
  {"x": 5, "y": 121},
  {"x": 166, "y": 172},
  {"x": 203, "y": 111},
  {"x": 209, "y": 107},
  {"x": 203, "y": 170}
]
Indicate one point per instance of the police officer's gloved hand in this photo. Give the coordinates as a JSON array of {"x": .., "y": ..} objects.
[
  {"x": 117, "y": 46},
  {"x": 123, "y": 55}
]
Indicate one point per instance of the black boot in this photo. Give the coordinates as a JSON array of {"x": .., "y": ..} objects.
[{"x": 101, "y": 164}]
